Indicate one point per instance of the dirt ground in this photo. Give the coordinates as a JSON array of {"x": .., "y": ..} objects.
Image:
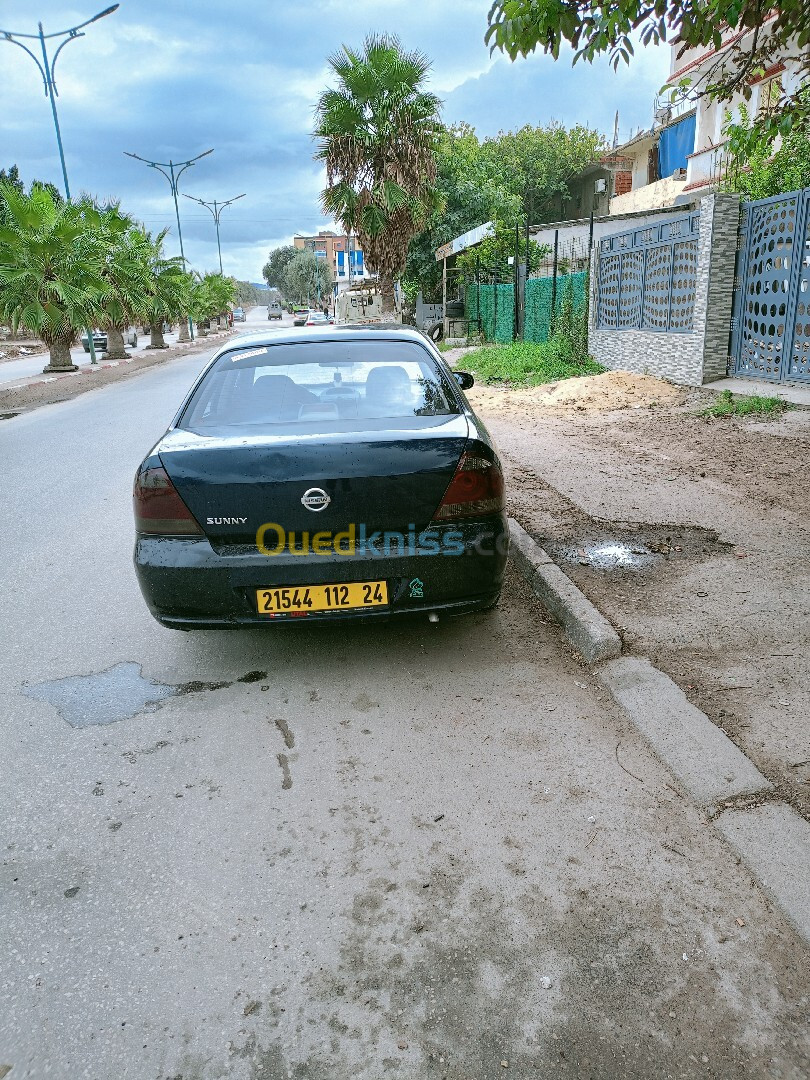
[
  {"x": 692, "y": 536},
  {"x": 13, "y": 350}
]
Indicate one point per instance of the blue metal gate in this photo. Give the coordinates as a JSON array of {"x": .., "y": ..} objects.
[{"x": 770, "y": 336}]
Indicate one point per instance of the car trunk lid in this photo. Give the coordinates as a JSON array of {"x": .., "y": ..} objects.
[{"x": 389, "y": 477}]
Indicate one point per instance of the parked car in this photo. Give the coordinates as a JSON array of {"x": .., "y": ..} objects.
[
  {"x": 274, "y": 310},
  {"x": 239, "y": 315},
  {"x": 317, "y": 318},
  {"x": 300, "y": 316},
  {"x": 357, "y": 437},
  {"x": 100, "y": 339}
]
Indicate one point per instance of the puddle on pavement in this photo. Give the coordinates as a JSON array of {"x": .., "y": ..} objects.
[
  {"x": 633, "y": 550},
  {"x": 116, "y": 694}
]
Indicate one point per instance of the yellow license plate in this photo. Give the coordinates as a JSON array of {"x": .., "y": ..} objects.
[{"x": 302, "y": 599}]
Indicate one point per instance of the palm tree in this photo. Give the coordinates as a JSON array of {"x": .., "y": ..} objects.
[
  {"x": 127, "y": 273},
  {"x": 170, "y": 291},
  {"x": 51, "y": 256},
  {"x": 212, "y": 295},
  {"x": 377, "y": 134}
]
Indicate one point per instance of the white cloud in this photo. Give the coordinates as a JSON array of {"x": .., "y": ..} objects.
[{"x": 169, "y": 78}]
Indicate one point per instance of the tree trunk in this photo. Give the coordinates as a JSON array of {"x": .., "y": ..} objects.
[
  {"x": 184, "y": 334},
  {"x": 156, "y": 336},
  {"x": 59, "y": 352},
  {"x": 388, "y": 302},
  {"x": 115, "y": 345}
]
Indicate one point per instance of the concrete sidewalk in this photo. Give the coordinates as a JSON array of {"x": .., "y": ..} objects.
[
  {"x": 24, "y": 367},
  {"x": 792, "y": 392},
  {"x": 32, "y": 391}
]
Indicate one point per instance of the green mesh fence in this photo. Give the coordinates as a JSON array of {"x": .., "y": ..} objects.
[
  {"x": 538, "y": 306},
  {"x": 505, "y": 305}
]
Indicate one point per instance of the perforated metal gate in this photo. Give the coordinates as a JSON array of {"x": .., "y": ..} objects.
[
  {"x": 770, "y": 330},
  {"x": 647, "y": 277}
]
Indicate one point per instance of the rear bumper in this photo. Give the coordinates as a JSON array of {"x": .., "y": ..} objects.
[{"x": 187, "y": 584}]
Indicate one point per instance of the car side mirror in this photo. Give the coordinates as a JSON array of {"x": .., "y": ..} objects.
[{"x": 464, "y": 379}]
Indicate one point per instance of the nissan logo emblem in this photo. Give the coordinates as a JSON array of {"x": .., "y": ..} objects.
[{"x": 315, "y": 499}]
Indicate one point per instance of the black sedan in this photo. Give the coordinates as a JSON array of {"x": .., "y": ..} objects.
[{"x": 321, "y": 474}]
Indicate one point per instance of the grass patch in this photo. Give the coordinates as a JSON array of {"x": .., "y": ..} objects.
[
  {"x": 525, "y": 363},
  {"x": 728, "y": 405}
]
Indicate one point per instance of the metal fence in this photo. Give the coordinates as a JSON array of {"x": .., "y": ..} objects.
[
  {"x": 572, "y": 257},
  {"x": 647, "y": 277},
  {"x": 771, "y": 319}
]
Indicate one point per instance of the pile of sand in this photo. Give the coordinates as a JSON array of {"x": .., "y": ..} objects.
[{"x": 590, "y": 393}]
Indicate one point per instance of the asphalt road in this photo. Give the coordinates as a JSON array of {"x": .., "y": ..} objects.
[{"x": 329, "y": 852}]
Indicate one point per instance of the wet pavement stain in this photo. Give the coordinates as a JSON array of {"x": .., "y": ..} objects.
[
  {"x": 107, "y": 697},
  {"x": 119, "y": 693},
  {"x": 286, "y": 775},
  {"x": 284, "y": 728}
]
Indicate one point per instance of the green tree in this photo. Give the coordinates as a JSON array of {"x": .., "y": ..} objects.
[
  {"x": 307, "y": 278},
  {"x": 760, "y": 164},
  {"x": 170, "y": 291},
  {"x": 518, "y": 27},
  {"x": 211, "y": 297},
  {"x": 127, "y": 273},
  {"x": 277, "y": 260},
  {"x": 248, "y": 295},
  {"x": 494, "y": 252},
  {"x": 502, "y": 179},
  {"x": 12, "y": 177},
  {"x": 536, "y": 164},
  {"x": 51, "y": 262},
  {"x": 470, "y": 195},
  {"x": 377, "y": 134}
]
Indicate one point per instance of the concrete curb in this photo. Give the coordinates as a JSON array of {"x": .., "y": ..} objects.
[
  {"x": 774, "y": 843},
  {"x": 771, "y": 839},
  {"x": 585, "y": 627},
  {"x": 700, "y": 755}
]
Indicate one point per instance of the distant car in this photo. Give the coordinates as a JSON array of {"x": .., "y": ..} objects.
[
  {"x": 317, "y": 318},
  {"x": 274, "y": 310},
  {"x": 100, "y": 339},
  {"x": 239, "y": 315},
  {"x": 300, "y": 316}
]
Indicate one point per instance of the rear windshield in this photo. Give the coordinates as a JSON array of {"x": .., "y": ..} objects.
[{"x": 319, "y": 382}]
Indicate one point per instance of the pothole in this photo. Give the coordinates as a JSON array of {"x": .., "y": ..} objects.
[{"x": 633, "y": 549}]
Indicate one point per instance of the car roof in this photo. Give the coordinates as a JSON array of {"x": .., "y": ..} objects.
[{"x": 342, "y": 332}]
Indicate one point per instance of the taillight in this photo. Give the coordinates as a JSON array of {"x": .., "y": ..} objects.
[
  {"x": 476, "y": 490},
  {"x": 159, "y": 510}
]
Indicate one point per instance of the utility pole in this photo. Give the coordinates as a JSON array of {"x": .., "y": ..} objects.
[
  {"x": 216, "y": 209},
  {"x": 47, "y": 71},
  {"x": 173, "y": 177}
]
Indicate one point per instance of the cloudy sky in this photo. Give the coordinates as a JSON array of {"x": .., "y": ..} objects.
[{"x": 171, "y": 78}]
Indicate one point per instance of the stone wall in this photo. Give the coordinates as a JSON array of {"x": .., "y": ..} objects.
[{"x": 693, "y": 358}]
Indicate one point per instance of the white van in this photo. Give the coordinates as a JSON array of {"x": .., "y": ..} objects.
[{"x": 274, "y": 310}]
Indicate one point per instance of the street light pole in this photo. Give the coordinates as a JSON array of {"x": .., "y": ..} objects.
[
  {"x": 47, "y": 70},
  {"x": 216, "y": 208},
  {"x": 173, "y": 177}
]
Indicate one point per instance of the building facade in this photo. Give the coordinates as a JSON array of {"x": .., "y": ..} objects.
[
  {"x": 682, "y": 156},
  {"x": 707, "y": 160},
  {"x": 342, "y": 253}
]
